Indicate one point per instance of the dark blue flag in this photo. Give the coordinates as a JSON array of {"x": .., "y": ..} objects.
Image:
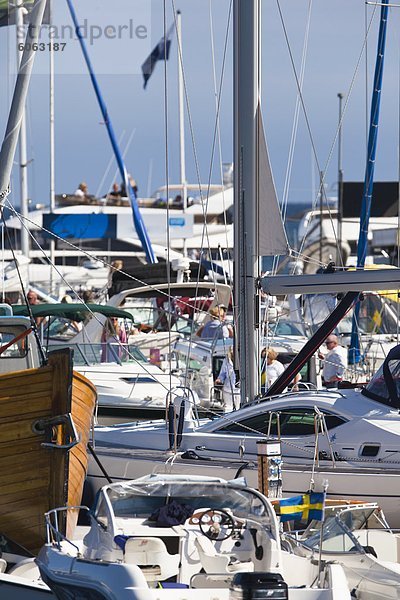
[{"x": 160, "y": 52}]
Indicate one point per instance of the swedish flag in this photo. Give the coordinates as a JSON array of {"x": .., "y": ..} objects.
[{"x": 306, "y": 507}]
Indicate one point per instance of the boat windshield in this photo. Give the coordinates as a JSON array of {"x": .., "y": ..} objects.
[
  {"x": 94, "y": 354},
  {"x": 385, "y": 384},
  {"x": 337, "y": 529},
  {"x": 138, "y": 499}
]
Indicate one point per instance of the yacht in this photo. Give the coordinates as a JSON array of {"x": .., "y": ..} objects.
[{"x": 350, "y": 437}]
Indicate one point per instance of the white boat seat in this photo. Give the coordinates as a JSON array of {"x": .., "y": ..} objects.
[
  {"x": 26, "y": 568},
  {"x": 151, "y": 555},
  {"x": 216, "y": 562}
]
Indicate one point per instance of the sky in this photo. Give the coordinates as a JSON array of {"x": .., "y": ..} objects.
[{"x": 334, "y": 63}]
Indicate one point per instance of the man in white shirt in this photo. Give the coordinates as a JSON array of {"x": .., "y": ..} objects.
[
  {"x": 335, "y": 362},
  {"x": 82, "y": 190}
]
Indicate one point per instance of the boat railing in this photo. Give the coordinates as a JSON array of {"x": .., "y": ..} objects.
[
  {"x": 52, "y": 518},
  {"x": 94, "y": 354}
]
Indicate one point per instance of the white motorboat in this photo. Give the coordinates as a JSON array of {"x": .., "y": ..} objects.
[
  {"x": 128, "y": 384},
  {"x": 358, "y": 538},
  {"x": 183, "y": 537},
  {"x": 357, "y": 446}
]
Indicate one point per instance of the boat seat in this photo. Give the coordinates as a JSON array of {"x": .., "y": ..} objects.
[
  {"x": 217, "y": 562},
  {"x": 151, "y": 555},
  {"x": 26, "y": 568},
  {"x": 3, "y": 565}
]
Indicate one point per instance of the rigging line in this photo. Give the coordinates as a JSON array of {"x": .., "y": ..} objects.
[
  {"x": 129, "y": 275},
  {"x": 217, "y": 116},
  {"x": 128, "y": 145},
  {"x": 352, "y": 83},
  {"x": 398, "y": 199},
  {"x": 166, "y": 167},
  {"x": 32, "y": 320},
  {"x": 366, "y": 82},
  {"x": 191, "y": 130},
  {"x": 109, "y": 165},
  {"x": 92, "y": 313},
  {"x": 219, "y": 134},
  {"x": 289, "y": 166},
  {"x": 204, "y": 204},
  {"x": 296, "y": 115}
]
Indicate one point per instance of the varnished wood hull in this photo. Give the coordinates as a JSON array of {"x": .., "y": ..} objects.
[{"x": 35, "y": 478}]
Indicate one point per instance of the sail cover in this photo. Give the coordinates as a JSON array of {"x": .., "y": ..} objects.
[{"x": 271, "y": 232}]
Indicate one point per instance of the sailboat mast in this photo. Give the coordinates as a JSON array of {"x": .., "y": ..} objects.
[
  {"x": 181, "y": 118},
  {"x": 362, "y": 246},
  {"x": 246, "y": 17},
  {"x": 8, "y": 148},
  {"x": 137, "y": 218},
  {"x": 52, "y": 147},
  {"x": 23, "y": 160}
]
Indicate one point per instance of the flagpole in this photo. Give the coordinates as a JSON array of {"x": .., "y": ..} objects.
[{"x": 321, "y": 536}]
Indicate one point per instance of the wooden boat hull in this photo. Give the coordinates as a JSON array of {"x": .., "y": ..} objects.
[{"x": 36, "y": 478}]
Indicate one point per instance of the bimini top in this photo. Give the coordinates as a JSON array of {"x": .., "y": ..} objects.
[
  {"x": 384, "y": 387},
  {"x": 74, "y": 311}
]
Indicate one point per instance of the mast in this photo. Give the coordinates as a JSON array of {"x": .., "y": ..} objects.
[
  {"x": 137, "y": 218},
  {"x": 52, "y": 147},
  {"x": 246, "y": 129},
  {"x": 23, "y": 160},
  {"x": 181, "y": 112},
  {"x": 354, "y": 351},
  {"x": 7, "y": 152}
]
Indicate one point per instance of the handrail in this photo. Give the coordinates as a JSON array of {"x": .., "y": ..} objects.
[{"x": 54, "y": 535}]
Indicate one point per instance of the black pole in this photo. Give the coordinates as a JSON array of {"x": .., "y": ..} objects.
[{"x": 313, "y": 344}]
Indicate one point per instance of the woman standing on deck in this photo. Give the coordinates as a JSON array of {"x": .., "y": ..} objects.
[{"x": 111, "y": 339}]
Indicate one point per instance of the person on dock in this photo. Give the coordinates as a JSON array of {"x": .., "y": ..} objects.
[
  {"x": 335, "y": 362},
  {"x": 112, "y": 340},
  {"x": 216, "y": 328},
  {"x": 271, "y": 368},
  {"x": 227, "y": 379},
  {"x": 33, "y": 299}
]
